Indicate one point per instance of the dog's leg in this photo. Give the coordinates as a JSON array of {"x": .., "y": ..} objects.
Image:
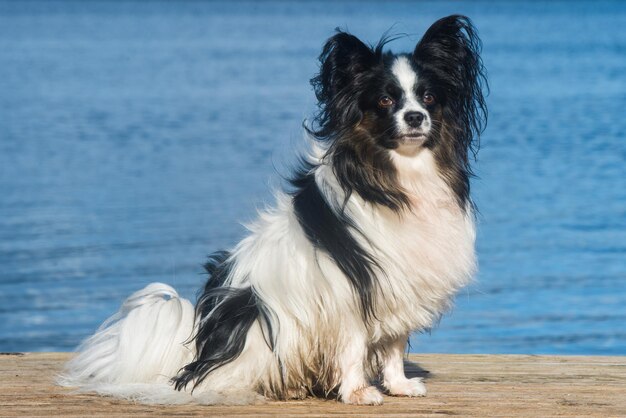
[
  {"x": 355, "y": 389},
  {"x": 393, "y": 370}
]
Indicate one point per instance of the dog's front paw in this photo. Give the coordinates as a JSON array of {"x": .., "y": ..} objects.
[
  {"x": 365, "y": 396},
  {"x": 407, "y": 387}
]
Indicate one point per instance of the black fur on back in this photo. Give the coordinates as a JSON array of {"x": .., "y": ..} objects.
[
  {"x": 332, "y": 233},
  {"x": 225, "y": 315}
]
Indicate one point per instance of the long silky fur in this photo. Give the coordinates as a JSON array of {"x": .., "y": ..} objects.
[
  {"x": 333, "y": 232},
  {"x": 367, "y": 246},
  {"x": 226, "y": 315},
  {"x": 449, "y": 53}
]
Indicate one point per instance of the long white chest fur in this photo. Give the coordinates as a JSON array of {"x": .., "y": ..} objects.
[{"x": 425, "y": 253}]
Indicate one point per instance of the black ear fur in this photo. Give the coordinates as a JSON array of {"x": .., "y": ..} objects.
[
  {"x": 343, "y": 57},
  {"x": 343, "y": 62},
  {"x": 449, "y": 51}
]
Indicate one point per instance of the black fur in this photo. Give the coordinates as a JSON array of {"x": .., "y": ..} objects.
[
  {"x": 332, "y": 233},
  {"x": 449, "y": 55},
  {"x": 226, "y": 315}
]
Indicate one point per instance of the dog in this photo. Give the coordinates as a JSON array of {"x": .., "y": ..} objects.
[{"x": 369, "y": 242}]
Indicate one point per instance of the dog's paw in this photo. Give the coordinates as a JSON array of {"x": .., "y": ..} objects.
[
  {"x": 296, "y": 393},
  {"x": 365, "y": 396},
  {"x": 407, "y": 387}
]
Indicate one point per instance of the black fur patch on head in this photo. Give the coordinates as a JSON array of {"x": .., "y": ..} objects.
[
  {"x": 225, "y": 315},
  {"x": 332, "y": 233},
  {"x": 448, "y": 56}
]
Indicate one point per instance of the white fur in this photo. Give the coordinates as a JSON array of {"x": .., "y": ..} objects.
[
  {"x": 407, "y": 78},
  {"x": 393, "y": 372},
  {"x": 425, "y": 255},
  {"x": 143, "y": 342}
]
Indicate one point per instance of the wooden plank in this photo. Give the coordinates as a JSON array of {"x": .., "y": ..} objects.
[{"x": 466, "y": 385}]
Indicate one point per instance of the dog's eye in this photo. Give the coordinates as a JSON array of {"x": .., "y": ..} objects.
[
  {"x": 385, "y": 102},
  {"x": 428, "y": 99}
]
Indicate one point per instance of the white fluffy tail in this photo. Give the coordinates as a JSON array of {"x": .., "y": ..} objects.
[{"x": 136, "y": 352}]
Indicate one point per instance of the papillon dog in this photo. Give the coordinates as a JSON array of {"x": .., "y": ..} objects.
[{"x": 369, "y": 242}]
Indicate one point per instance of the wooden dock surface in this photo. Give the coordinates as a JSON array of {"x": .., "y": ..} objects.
[{"x": 465, "y": 385}]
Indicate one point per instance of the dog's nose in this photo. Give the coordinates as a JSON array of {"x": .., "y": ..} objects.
[{"x": 414, "y": 119}]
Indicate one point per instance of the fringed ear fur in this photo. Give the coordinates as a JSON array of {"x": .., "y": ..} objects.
[
  {"x": 449, "y": 52},
  {"x": 342, "y": 58}
]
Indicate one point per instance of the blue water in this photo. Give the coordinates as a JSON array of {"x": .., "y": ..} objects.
[{"x": 135, "y": 136}]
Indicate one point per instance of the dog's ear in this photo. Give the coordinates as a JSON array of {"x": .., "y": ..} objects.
[
  {"x": 449, "y": 52},
  {"x": 343, "y": 58}
]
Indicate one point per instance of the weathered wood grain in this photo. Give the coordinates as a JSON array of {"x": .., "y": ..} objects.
[{"x": 466, "y": 385}]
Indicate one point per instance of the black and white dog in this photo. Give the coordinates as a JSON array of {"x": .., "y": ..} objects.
[{"x": 370, "y": 243}]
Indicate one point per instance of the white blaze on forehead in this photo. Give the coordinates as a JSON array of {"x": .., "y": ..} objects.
[{"x": 406, "y": 76}]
